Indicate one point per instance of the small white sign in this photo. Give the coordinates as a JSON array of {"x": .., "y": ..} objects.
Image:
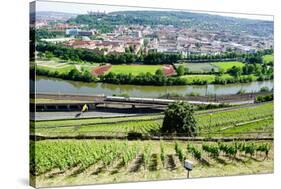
[{"x": 188, "y": 165}]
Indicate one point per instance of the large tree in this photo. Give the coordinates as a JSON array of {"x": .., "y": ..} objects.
[{"x": 179, "y": 118}]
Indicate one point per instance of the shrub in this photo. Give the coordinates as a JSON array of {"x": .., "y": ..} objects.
[
  {"x": 264, "y": 98},
  {"x": 264, "y": 89}
]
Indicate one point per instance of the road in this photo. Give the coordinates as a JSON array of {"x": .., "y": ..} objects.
[{"x": 72, "y": 115}]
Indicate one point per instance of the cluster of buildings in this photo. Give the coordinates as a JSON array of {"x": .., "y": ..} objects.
[
  {"x": 159, "y": 38},
  {"x": 119, "y": 41},
  {"x": 191, "y": 41}
]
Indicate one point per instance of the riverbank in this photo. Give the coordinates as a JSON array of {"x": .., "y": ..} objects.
[{"x": 48, "y": 85}]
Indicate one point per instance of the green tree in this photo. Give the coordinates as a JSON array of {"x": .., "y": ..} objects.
[
  {"x": 235, "y": 71},
  {"x": 180, "y": 70},
  {"x": 49, "y": 55},
  {"x": 40, "y": 54},
  {"x": 159, "y": 72},
  {"x": 179, "y": 118},
  {"x": 73, "y": 74}
]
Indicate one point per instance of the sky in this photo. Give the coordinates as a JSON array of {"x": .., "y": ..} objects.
[{"x": 83, "y": 8}]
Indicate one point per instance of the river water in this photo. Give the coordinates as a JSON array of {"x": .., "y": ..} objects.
[{"x": 59, "y": 86}]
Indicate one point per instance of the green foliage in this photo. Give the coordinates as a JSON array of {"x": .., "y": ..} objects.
[
  {"x": 213, "y": 150},
  {"x": 161, "y": 58},
  {"x": 194, "y": 151},
  {"x": 230, "y": 150},
  {"x": 49, "y": 55},
  {"x": 73, "y": 74},
  {"x": 68, "y": 53},
  {"x": 254, "y": 58},
  {"x": 264, "y": 89},
  {"x": 130, "y": 153},
  {"x": 235, "y": 71},
  {"x": 46, "y": 34},
  {"x": 179, "y": 118},
  {"x": 159, "y": 72},
  {"x": 264, "y": 148},
  {"x": 142, "y": 79},
  {"x": 147, "y": 155},
  {"x": 248, "y": 69},
  {"x": 181, "y": 70},
  {"x": 179, "y": 152},
  {"x": 264, "y": 98}
]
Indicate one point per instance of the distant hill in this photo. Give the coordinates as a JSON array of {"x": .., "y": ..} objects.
[
  {"x": 50, "y": 15},
  {"x": 200, "y": 21}
]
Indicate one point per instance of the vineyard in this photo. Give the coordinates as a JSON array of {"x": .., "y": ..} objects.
[
  {"x": 97, "y": 160},
  {"x": 243, "y": 121},
  {"x": 101, "y": 161}
]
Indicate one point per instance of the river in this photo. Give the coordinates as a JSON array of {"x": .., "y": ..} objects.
[{"x": 59, "y": 86}]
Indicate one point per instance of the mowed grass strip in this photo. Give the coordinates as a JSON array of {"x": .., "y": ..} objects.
[
  {"x": 115, "y": 129},
  {"x": 204, "y": 77},
  {"x": 134, "y": 69},
  {"x": 192, "y": 78},
  {"x": 227, "y": 65},
  {"x": 264, "y": 125},
  {"x": 80, "y": 122},
  {"x": 199, "y": 67}
]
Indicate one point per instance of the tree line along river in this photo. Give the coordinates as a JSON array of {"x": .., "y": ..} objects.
[{"x": 59, "y": 86}]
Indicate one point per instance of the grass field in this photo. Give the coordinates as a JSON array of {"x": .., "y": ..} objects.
[
  {"x": 227, "y": 65},
  {"x": 62, "y": 66},
  {"x": 268, "y": 58},
  {"x": 199, "y": 67},
  {"x": 73, "y": 162},
  {"x": 134, "y": 69}
]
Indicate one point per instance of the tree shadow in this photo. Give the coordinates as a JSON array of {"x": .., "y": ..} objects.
[
  {"x": 117, "y": 168},
  {"x": 137, "y": 164},
  {"x": 153, "y": 163},
  {"x": 98, "y": 170},
  {"x": 171, "y": 165}
]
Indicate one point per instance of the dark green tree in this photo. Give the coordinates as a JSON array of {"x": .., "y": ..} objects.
[
  {"x": 179, "y": 118},
  {"x": 235, "y": 71},
  {"x": 159, "y": 72}
]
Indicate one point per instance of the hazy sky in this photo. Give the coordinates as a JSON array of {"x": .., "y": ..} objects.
[{"x": 84, "y": 8}]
